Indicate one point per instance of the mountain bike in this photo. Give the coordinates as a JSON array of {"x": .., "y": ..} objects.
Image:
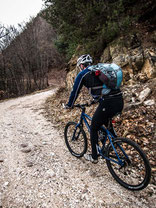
[{"x": 126, "y": 161}]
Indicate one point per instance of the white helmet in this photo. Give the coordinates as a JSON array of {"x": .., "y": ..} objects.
[{"x": 84, "y": 59}]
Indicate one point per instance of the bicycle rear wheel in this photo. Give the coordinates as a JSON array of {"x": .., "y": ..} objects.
[
  {"x": 135, "y": 171},
  {"x": 75, "y": 139}
]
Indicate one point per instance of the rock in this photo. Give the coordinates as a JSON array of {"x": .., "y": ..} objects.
[
  {"x": 52, "y": 154},
  {"x": 125, "y": 133},
  {"x": 1, "y": 160},
  {"x": 121, "y": 59},
  {"x": 149, "y": 102},
  {"x": 71, "y": 77},
  {"x": 148, "y": 69},
  {"x": 26, "y": 150},
  {"x": 24, "y": 145},
  {"x": 106, "y": 57},
  {"x": 44, "y": 143},
  {"x": 50, "y": 173},
  {"x": 145, "y": 140},
  {"x": 141, "y": 77},
  {"x": 29, "y": 164},
  {"x": 6, "y": 183},
  {"x": 144, "y": 94},
  {"x": 134, "y": 59}
]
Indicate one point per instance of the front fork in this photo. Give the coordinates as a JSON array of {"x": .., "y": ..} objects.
[{"x": 76, "y": 134}]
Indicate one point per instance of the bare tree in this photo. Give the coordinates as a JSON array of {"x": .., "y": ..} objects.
[{"x": 27, "y": 54}]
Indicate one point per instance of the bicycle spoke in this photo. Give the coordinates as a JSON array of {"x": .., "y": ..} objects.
[
  {"x": 75, "y": 139},
  {"x": 134, "y": 173}
]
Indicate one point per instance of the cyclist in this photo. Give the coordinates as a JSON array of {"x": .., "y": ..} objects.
[{"x": 110, "y": 102}]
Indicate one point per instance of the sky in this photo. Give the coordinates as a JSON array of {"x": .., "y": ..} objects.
[{"x": 13, "y": 12}]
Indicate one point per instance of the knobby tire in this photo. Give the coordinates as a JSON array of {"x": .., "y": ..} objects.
[
  {"x": 136, "y": 166},
  {"x": 77, "y": 145}
]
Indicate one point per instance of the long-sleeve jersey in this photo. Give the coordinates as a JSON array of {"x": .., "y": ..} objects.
[{"x": 89, "y": 80}]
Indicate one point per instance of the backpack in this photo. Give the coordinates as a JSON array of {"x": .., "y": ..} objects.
[{"x": 110, "y": 74}]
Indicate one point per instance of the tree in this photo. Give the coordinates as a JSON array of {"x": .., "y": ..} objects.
[
  {"x": 27, "y": 56},
  {"x": 94, "y": 23}
]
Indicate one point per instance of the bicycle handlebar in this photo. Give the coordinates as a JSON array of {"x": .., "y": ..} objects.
[{"x": 85, "y": 104}]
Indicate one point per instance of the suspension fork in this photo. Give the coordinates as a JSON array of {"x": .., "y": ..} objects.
[
  {"x": 77, "y": 126},
  {"x": 74, "y": 137}
]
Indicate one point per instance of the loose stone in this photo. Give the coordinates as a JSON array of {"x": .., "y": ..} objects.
[{"x": 26, "y": 150}]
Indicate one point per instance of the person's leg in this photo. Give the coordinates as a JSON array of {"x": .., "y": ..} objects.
[
  {"x": 106, "y": 109},
  {"x": 99, "y": 118}
]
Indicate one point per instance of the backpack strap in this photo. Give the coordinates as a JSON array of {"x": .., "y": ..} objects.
[
  {"x": 104, "y": 91},
  {"x": 96, "y": 88}
]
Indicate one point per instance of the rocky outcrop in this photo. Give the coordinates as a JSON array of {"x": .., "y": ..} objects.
[
  {"x": 138, "y": 62},
  {"x": 73, "y": 71}
]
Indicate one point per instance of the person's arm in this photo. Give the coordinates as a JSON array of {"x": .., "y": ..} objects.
[{"x": 76, "y": 89}]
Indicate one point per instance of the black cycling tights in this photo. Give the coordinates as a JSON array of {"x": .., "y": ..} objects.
[{"x": 107, "y": 109}]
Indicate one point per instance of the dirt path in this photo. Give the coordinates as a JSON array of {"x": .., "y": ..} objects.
[{"x": 37, "y": 171}]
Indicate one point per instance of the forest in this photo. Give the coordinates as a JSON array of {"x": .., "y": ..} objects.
[
  {"x": 28, "y": 53},
  {"x": 95, "y": 23}
]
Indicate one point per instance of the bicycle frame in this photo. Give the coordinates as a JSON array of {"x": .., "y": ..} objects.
[{"x": 84, "y": 117}]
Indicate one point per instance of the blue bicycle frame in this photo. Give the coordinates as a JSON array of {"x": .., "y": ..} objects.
[{"x": 84, "y": 117}]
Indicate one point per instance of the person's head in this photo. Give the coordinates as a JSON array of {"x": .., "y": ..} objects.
[{"x": 84, "y": 61}]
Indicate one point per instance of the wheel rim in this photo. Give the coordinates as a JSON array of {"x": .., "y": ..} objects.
[
  {"x": 133, "y": 172},
  {"x": 75, "y": 140}
]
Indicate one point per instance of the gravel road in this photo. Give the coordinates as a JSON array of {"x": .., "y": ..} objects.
[{"x": 37, "y": 171}]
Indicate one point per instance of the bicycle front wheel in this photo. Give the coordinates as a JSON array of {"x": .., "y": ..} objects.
[
  {"x": 75, "y": 139},
  {"x": 134, "y": 173}
]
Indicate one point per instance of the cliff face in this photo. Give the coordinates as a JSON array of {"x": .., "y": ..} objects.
[
  {"x": 137, "y": 60},
  {"x": 136, "y": 56}
]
